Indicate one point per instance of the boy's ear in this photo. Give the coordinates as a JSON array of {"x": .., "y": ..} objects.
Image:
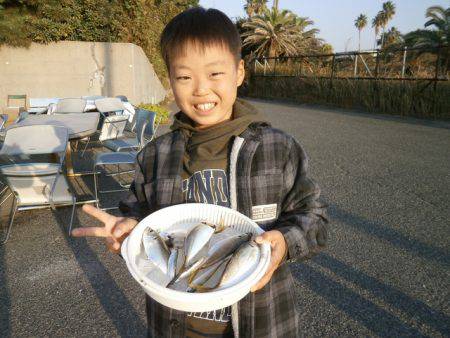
[{"x": 240, "y": 72}]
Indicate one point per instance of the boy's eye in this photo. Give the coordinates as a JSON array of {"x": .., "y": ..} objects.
[
  {"x": 217, "y": 74},
  {"x": 183, "y": 78}
]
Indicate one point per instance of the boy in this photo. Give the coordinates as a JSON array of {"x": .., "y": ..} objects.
[{"x": 221, "y": 151}]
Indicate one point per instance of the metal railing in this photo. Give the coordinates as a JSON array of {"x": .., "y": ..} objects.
[
  {"x": 408, "y": 64},
  {"x": 410, "y": 81}
]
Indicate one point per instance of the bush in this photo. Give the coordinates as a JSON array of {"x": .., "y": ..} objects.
[
  {"x": 405, "y": 98},
  {"x": 136, "y": 21},
  {"x": 162, "y": 114}
]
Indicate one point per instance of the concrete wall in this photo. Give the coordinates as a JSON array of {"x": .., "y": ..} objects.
[{"x": 74, "y": 68}]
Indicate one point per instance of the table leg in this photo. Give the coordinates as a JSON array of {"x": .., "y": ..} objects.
[
  {"x": 69, "y": 163},
  {"x": 71, "y": 173}
]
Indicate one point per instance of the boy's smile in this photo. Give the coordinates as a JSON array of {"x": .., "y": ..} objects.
[{"x": 205, "y": 81}]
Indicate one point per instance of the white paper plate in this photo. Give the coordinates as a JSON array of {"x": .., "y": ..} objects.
[{"x": 180, "y": 218}]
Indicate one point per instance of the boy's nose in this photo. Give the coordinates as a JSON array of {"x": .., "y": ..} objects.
[{"x": 201, "y": 88}]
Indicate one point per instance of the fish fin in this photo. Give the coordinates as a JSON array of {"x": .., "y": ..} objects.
[
  {"x": 220, "y": 227},
  {"x": 199, "y": 288},
  {"x": 192, "y": 276}
]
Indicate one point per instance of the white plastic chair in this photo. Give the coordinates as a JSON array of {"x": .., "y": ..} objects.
[
  {"x": 3, "y": 120},
  {"x": 130, "y": 110},
  {"x": 8, "y": 202},
  {"x": 145, "y": 131},
  {"x": 36, "y": 184},
  {"x": 109, "y": 105},
  {"x": 70, "y": 105},
  {"x": 112, "y": 125},
  {"x": 134, "y": 143}
]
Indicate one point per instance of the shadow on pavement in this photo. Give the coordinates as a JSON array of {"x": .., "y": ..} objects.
[
  {"x": 373, "y": 317},
  {"x": 6, "y": 210},
  {"x": 413, "y": 307},
  {"x": 5, "y": 301},
  {"x": 109, "y": 294},
  {"x": 390, "y": 235}
]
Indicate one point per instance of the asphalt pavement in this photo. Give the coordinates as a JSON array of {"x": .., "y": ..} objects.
[{"x": 386, "y": 181}]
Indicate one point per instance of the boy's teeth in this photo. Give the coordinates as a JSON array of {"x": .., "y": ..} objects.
[{"x": 205, "y": 106}]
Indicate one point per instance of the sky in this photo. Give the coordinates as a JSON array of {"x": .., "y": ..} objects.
[{"x": 335, "y": 18}]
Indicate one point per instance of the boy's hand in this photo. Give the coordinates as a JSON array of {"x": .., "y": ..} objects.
[
  {"x": 115, "y": 229},
  {"x": 278, "y": 251}
]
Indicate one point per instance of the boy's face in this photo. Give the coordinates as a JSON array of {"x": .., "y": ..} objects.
[{"x": 205, "y": 82}]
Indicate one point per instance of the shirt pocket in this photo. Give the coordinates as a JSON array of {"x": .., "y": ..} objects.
[
  {"x": 159, "y": 192},
  {"x": 266, "y": 195}
]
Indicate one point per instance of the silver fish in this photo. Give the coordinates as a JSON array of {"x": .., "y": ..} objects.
[
  {"x": 194, "y": 267},
  {"x": 224, "y": 248},
  {"x": 155, "y": 249},
  {"x": 219, "y": 251},
  {"x": 176, "y": 259},
  {"x": 241, "y": 264},
  {"x": 203, "y": 279},
  {"x": 172, "y": 263},
  {"x": 186, "y": 271},
  {"x": 216, "y": 253},
  {"x": 197, "y": 238}
]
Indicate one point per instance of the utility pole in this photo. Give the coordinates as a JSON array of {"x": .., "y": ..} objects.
[
  {"x": 346, "y": 44},
  {"x": 404, "y": 62}
]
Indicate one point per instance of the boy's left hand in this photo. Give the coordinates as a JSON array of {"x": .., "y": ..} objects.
[{"x": 278, "y": 250}]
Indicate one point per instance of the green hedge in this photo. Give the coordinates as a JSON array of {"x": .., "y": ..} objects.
[
  {"x": 162, "y": 114},
  {"x": 136, "y": 21}
]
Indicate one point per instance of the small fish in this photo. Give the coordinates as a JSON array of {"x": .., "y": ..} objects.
[
  {"x": 241, "y": 264},
  {"x": 220, "y": 250},
  {"x": 202, "y": 279},
  {"x": 156, "y": 249},
  {"x": 172, "y": 263},
  {"x": 186, "y": 271},
  {"x": 194, "y": 267},
  {"x": 197, "y": 238},
  {"x": 175, "y": 262},
  {"x": 216, "y": 253}
]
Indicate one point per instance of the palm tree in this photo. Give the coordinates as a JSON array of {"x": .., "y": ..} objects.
[
  {"x": 255, "y": 7},
  {"x": 439, "y": 20},
  {"x": 377, "y": 22},
  {"x": 360, "y": 23},
  {"x": 275, "y": 4},
  {"x": 276, "y": 33},
  {"x": 438, "y": 36},
  {"x": 306, "y": 39},
  {"x": 393, "y": 39},
  {"x": 387, "y": 14},
  {"x": 389, "y": 10}
]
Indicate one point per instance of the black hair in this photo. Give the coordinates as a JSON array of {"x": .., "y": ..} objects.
[{"x": 202, "y": 27}]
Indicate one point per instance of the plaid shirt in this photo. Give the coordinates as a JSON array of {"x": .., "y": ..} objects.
[{"x": 270, "y": 169}]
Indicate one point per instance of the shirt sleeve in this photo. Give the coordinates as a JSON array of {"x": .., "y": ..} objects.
[
  {"x": 136, "y": 205},
  {"x": 303, "y": 220}
]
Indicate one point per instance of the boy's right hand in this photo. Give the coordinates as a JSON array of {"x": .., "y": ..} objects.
[{"x": 115, "y": 229}]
